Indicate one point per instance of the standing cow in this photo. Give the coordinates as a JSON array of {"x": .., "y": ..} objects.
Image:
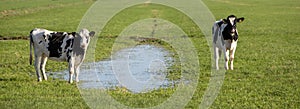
[
  {"x": 59, "y": 46},
  {"x": 225, "y": 38}
]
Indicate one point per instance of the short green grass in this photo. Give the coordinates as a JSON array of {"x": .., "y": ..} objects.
[
  {"x": 267, "y": 60},
  {"x": 19, "y": 88},
  {"x": 267, "y": 64},
  {"x": 53, "y": 15}
]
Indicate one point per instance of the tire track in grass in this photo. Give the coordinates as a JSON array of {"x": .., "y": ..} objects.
[{"x": 14, "y": 38}]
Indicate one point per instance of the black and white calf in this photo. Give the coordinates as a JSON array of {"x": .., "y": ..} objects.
[
  {"x": 59, "y": 46},
  {"x": 225, "y": 38}
]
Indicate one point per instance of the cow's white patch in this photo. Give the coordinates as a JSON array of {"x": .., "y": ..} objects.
[{"x": 231, "y": 19}]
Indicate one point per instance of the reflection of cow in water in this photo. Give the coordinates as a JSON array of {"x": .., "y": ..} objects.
[
  {"x": 59, "y": 46},
  {"x": 225, "y": 37}
]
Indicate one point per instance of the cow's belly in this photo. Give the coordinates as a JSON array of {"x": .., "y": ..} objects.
[{"x": 62, "y": 57}]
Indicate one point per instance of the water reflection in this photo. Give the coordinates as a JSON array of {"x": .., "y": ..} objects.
[{"x": 139, "y": 69}]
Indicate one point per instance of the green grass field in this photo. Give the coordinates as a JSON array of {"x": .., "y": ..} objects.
[{"x": 266, "y": 75}]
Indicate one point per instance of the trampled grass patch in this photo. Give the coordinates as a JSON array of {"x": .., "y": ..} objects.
[{"x": 267, "y": 60}]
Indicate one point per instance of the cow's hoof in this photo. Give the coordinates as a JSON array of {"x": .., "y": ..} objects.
[{"x": 39, "y": 80}]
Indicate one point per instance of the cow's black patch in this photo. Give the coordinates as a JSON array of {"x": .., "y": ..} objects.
[
  {"x": 55, "y": 42},
  {"x": 228, "y": 35},
  {"x": 220, "y": 23},
  {"x": 69, "y": 44},
  {"x": 31, "y": 39},
  {"x": 235, "y": 37},
  {"x": 69, "y": 55},
  {"x": 44, "y": 36},
  {"x": 31, "y": 31},
  {"x": 72, "y": 33}
]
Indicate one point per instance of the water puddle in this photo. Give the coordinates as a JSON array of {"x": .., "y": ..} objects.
[{"x": 139, "y": 69}]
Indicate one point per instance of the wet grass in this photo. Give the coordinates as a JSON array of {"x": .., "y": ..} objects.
[{"x": 267, "y": 60}]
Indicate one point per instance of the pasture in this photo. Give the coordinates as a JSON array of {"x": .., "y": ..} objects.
[{"x": 266, "y": 75}]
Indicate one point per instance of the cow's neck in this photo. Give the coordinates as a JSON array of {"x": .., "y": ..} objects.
[{"x": 78, "y": 51}]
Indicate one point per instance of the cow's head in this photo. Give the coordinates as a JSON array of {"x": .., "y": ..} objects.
[
  {"x": 231, "y": 24},
  {"x": 84, "y": 36}
]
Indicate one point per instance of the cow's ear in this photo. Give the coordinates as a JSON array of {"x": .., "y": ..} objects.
[
  {"x": 239, "y": 20},
  {"x": 92, "y": 33},
  {"x": 224, "y": 21}
]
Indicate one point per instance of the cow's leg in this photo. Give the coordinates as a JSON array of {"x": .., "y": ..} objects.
[
  {"x": 71, "y": 70},
  {"x": 232, "y": 58},
  {"x": 43, "y": 65},
  {"x": 226, "y": 55},
  {"x": 77, "y": 73},
  {"x": 216, "y": 56},
  {"x": 37, "y": 63}
]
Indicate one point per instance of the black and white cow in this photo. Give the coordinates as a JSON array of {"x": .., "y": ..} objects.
[
  {"x": 225, "y": 38},
  {"x": 59, "y": 46}
]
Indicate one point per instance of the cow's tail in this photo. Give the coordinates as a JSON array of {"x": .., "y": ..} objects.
[
  {"x": 215, "y": 30},
  {"x": 31, "y": 45}
]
